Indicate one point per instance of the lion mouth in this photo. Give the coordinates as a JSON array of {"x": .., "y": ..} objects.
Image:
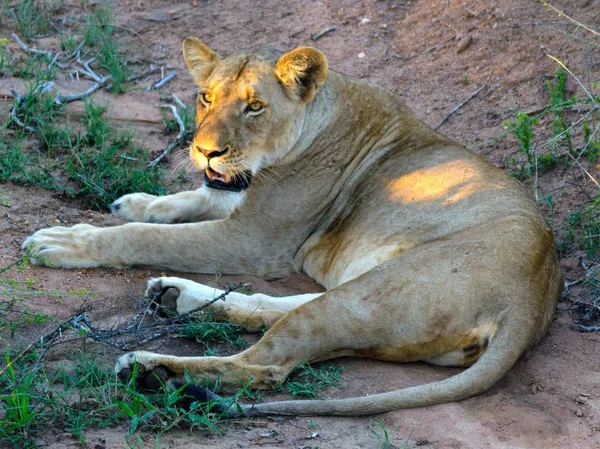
[{"x": 235, "y": 183}]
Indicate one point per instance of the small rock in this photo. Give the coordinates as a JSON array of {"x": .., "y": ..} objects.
[
  {"x": 364, "y": 20},
  {"x": 383, "y": 25},
  {"x": 361, "y": 55},
  {"x": 470, "y": 13},
  {"x": 463, "y": 43},
  {"x": 267, "y": 434}
]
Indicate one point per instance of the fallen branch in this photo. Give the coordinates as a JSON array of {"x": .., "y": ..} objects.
[
  {"x": 60, "y": 99},
  {"x": 460, "y": 105},
  {"x": 161, "y": 82},
  {"x": 30, "y": 49},
  {"x": 40, "y": 89},
  {"x": 180, "y": 103},
  {"x": 137, "y": 331},
  {"x": 177, "y": 140},
  {"x": 582, "y": 328},
  {"x": 430, "y": 49},
  {"x": 143, "y": 74},
  {"x": 16, "y": 120},
  {"x": 322, "y": 33}
]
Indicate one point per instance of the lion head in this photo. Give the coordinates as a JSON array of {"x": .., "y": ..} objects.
[{"x": 249, "y": 110}]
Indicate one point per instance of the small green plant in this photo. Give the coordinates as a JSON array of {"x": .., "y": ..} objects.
[
  {"x": 558, "y": 102},
  {"x": 99, "y": 34},
  {"x": 591, "y": 147},
  {"x": 97, "y": 161},
  {"x": 556, "y": 89},
  {"x": 521, "y": 127},
  {"x": 581, "y": 230},
  {"x": 68, "y": 42},
  {"x": 213, "y": 332},
  {"x": 310, "y": 381},
  {"x": 383, "y": 437},
  {"x": 21, "y": 411},
  {"x": 33, "y": 16}
]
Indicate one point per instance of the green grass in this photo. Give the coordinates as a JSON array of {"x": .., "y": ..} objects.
[
  {"x": 88, "y": 397},
  {"x": 87, "y": 158},
  {"x": 213, "y": 332},
  {"x": 310, "y": 381},
  {"x": 33, "y": 16},
  {"x": 99, "y": 35},
  {"x": 573, "y": 143},
  {"x": 95, "y": 161}
]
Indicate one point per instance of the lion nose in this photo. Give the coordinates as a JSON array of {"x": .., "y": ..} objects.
[{"x": 211, "y": 153}]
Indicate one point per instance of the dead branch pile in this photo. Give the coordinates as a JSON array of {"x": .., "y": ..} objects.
[{"x": 147, "y": 325}]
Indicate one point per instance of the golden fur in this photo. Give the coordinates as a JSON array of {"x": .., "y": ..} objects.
[{"x": 427, "y": 251}]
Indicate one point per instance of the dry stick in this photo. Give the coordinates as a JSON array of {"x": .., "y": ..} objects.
[
  {"x": 178, "y": 101},
  {"x": 576, "y": 22},
  {"x": 82, "y": 322},
  {"x": 582, "y": 328},
  {"x": 322, "y": 33},
  {"x": 177, "y": 140},
  {"x": 460, "y": 105},
  {"x": 160, "y": 83},
  {"x": 30, "y": 49},
  {"x": 430, "y": 49},
  {"x": 69, "y": 98},
  {"x": 139, "y": 334},
  {"x": 143, "y": 74},
  {"x": 73, "y": 54},
  {"x": 13, "y": 114},
  {"x": 42, "y": 88}
]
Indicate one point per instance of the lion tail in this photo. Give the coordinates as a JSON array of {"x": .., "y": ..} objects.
[{"x": 510, "y": 341}]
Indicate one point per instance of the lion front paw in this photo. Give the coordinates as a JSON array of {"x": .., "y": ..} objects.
[
  {"x": 132, "y": 207},
  {"x": 64, "y": 247},
  {"x": 149, "y": 374},
  {"x": 181, "y": 295}
]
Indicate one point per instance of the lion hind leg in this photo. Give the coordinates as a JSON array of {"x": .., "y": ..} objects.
[
  {"x": 252, "y": 312},
  {"x": 228, "y": 373},
  {"x": 470, "y": 348}
]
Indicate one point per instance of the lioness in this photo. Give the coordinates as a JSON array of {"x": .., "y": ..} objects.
[{"x": 427, "y": 251}]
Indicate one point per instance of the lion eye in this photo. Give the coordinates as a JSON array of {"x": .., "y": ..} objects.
[
  {"x": 254, "y": 107},
  {"x": 207, "y": 98}
]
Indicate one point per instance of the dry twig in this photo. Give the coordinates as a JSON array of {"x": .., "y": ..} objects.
[
  {"x": 430, "y": 49},
  {"x": 30, "y": 49},
  {"x": 177, "y": 140},
  {"x": 322, "y": 33},
  {"x": 130, "y": 335},
  {"x": 40, "y": 89},
  {"x": 74, "y": 97},
  {"x": 460, "y": 105},
  {"x": 161, "y": 82}
]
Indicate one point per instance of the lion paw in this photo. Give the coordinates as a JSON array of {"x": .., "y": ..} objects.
[
  {"x": 63, "y": 247},
  {"x": 150, "y": 375},
  {"x": 132, "y": 207},
  {"x": 180, "y": 295}
]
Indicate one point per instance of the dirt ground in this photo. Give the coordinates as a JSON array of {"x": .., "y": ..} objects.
[{"x": 550, "y": 399}]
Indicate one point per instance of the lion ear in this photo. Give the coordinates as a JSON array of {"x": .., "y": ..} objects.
[
  {"x": 302, "y": 71},
  {"x": 199, "y": 58}
]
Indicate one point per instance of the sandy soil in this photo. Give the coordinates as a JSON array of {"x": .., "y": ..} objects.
[{"x": 550, "y": 399}]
